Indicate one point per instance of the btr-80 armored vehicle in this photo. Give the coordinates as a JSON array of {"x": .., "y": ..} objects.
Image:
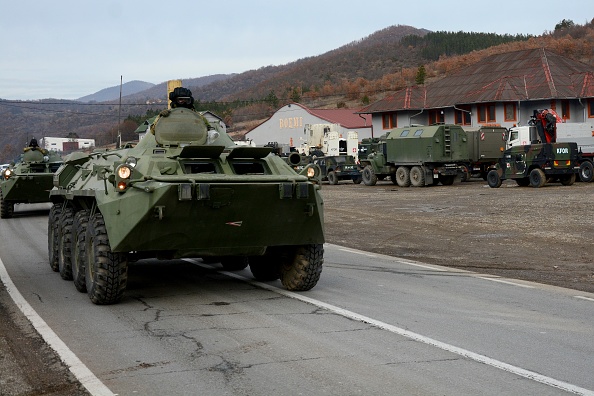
[
  {"x": 185, "y": 190},
  {"x": 29, "y": 180}
]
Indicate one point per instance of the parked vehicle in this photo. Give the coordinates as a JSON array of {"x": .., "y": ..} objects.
[
  {"x": 485, "y": 147},
  {"x": 339, "y": 167},
  {"x": 417, "y": 156}
]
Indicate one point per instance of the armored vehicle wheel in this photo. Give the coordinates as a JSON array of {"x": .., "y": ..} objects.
[
  {"x": 332, "y": 178},
  {"x": 6, "y": 208},
  {"x": 586, "y": 171},
  {"x": 53, "y": 234},
  {"x": 568, "y": 180},
  {"x": 357, "y": 179},
  {"x": 106, "y": 272},
  {"x": 403, "y": 176},
  {"x": 79, "y": 229},
  {"x": 65, "y": 243},
  {"x": 369, "y": 176},
  {"x": 493, "y": 179},
  {"x": 234, "y": 263},
  {"x": 537, "y": 178},
  {"x": 523, "y": 182},
  {"x": 417, "y": 176},
  {"x": 447, "y": 180},
  {"x": 265, "y": 268},
  {"x": 302, "y": 272}
]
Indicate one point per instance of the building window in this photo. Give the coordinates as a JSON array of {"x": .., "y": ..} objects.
[
  {"x": 565, "y": 113},
  {"x": 591, "y": 108},
  {"x": 436, "y": 117},
  {"x": 486, "y": 113},
  {"x": 463, "y": 115},
  {"x": 389, "y": 121},
  {"x": 509, "y": 110}
]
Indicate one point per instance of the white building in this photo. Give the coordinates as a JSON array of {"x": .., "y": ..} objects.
[
  {"x": 287, "y": 124},
  {"x": 66, "y": 144}
]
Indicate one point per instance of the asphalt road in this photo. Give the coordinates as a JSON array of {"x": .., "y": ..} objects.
[{"x": 374, "y": 325}]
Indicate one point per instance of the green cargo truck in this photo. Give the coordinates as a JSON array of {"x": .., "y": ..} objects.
[{"x": 417, "y": 156}]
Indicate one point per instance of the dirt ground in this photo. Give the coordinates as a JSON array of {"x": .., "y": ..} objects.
[
  {"x": 538, "y": 234},
  {"x": 543, "y": 235}
]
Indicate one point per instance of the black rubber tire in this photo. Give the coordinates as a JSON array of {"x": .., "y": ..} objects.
[
  {"x": 369, "y": 176},
  {"x": 65, "y": 243},
  {"x": 265, "y": 268},
  {"x": 303, "y": 271},
  {"x": 403, "y": 176},
  {"x": 332, "y": 178},
  {"x": 234, "y": 263},
  {"x": 106, "y": 272},
  {"x": 568, "y": 180},
  {"x": 357, "y": 179},
  {"x": 523, "y": 182},
  {"x": 6, "y": 208},
  {"x": 537, "y": 178},
  {"x": 417, "y": 176},
  {"x": 79, "y": 230},
  {"x": 493, "y": 179},
  {"x": 447, "y": 180},
  {"x": 586, "y": 171},
  {"x": 53, "y": 222}
]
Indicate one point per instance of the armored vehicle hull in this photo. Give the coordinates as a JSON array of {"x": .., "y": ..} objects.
[
  {"x": 184, "y": 191},
  {"x": 28, "y": 181}
]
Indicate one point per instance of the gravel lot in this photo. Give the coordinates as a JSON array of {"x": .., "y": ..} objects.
[
  {"x": 542, "y": 235},
  {"x": 537, "y": 234}
]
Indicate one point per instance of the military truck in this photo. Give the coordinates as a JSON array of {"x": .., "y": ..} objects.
[
  {"x": 536, "y": 164},
  {"x": 29, "y": 180},
  {"x": 485, "y": 147},
  {"x": 339, "y": 167},
  {"x": 185, "y": 190},
  {"x": 417, "y": 156}
]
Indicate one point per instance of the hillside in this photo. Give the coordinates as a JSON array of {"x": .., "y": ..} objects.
[
  {"x": 113, "y": 93},
  {"x": 353, "y": 75}
]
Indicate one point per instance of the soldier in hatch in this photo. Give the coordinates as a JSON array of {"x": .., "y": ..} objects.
[{"x": 181, "y": 97}]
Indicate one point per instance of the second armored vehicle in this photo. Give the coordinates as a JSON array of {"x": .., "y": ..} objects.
[
  {"x": 185, "y": 190},
  {"x": 29, "y": 180}
]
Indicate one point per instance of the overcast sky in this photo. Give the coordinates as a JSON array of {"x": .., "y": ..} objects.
[{"x": 67, "y": 49}]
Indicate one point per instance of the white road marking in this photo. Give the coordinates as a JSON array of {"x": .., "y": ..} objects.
[
  {"x": 411, "y": 335},
  {"x": 506, "y": 282},
  {"x": 78, "y": 368},
  {"x": 585, "y": 298}
]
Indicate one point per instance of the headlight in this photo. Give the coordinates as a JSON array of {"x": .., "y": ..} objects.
[
  {"x": 311, "y": 172},
  {"x": 124, "y": 172},
  {"x": 7, "y": 173}
]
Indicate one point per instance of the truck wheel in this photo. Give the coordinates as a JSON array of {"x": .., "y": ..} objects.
[
  {"x": 79, "y": 229},
  {"x": 303, "y": 271},
  {"x": 65, "y": 243},
  {"x": 447, "y": 180},
  {"x": 6, "y": 208},
  {"x": 493, "y": 179},
  {"x": 106, "y": 272},
  {"x": 234, "y": 263},
  {"x": 537, "y": 178},
  {"x": 265, "y": 268},
  {"x": 403, "y": 176},
  {"x": 586, "y": 171},
  {"x": 568, "y": 180},
  {"x": 332, "y": 178},
  {"x": 417, "y": 176},
  {"x": 53, "y": 223},
  {"x": 523, "y": 182},
  {"x": 369, "y": 176}
]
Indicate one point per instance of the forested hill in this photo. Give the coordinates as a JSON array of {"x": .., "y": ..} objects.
[{"x": 353, "y": 75}]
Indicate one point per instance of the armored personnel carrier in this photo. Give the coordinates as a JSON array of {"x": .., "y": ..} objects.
[
  {"x": 185, "y": 190},
  {"x": 29, "y": 180}
]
